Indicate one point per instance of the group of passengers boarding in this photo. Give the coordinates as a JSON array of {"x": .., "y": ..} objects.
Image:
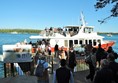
[
  {"x": 99, "y": 61},
  {"x": 63, "y": 58},
  {"x": 102, "y": 65}
]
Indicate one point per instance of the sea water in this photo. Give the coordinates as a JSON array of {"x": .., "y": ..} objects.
[{"x": 7, "y": 38}]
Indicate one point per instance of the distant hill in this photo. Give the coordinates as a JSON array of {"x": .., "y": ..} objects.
[
  {"x": 20, "y": 30},
  {"x": 38, "y": 31}
]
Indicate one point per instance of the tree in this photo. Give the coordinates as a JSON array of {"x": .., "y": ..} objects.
[{"x": 102, "y": 3}]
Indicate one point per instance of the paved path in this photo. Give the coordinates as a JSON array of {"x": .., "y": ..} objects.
[
  {"x": 19, "y": 79},
  {"x": 79, "y": 76}
]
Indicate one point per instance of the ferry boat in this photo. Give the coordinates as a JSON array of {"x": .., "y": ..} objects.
[{"x": 74, "y": 36}]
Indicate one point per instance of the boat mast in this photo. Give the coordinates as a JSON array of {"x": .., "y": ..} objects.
[{"x": 83, "y": 23}]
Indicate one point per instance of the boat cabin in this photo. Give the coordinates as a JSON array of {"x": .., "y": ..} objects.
[
  {"x": 85, "y": 37},
  {"x": 76, "y": 29}
]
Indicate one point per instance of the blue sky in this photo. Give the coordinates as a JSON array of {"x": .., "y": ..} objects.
[{"x": 38, "y": 14}]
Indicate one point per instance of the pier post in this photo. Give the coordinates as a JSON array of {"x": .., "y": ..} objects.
[
  {"x": 5, "y": 74},
  {"x": 12, "y": 69}
]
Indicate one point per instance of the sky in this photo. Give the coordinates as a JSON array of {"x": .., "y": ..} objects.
[{"x": 39, "y": 14}]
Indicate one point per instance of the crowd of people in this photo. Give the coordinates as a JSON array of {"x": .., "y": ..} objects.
[
  {"x": 101, "y": 63},
  {"x": 64, "y": 31},
  {"x": 67, "y": 63}
]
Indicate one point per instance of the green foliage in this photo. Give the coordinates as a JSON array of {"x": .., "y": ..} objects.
[{"x": 20, "y": 30}]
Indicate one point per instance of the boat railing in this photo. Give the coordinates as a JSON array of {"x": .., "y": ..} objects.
[
  {"x": 10, "y": 70},
  {"x": 81, "y": 64}
]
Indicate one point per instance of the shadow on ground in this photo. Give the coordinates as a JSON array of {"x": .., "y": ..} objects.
[{"x": 79, "y": 77}]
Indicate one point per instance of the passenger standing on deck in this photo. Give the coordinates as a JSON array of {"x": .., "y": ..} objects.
[
  {"x": 43, "y": 46},
  {"x": 100, "y": 54},
  {"x": 72, "y": 59},
  {"x": 63, "y": 54},
  {"x": 49, "y": 50},
  {"x": 63, "y": 74},
  {"x": 110, "y": 50},
  {"x": 56, "y": 49},
  {"x": 88, "y": 48},
  {"x": 36, "y": 57}
]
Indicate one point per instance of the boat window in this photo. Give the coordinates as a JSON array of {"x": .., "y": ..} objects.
[
  {"x": 75, "y": 41},
  {"x": 70, "y": 43},
  {"x": 85, "y": 30},
  {"x": 99, "y": 41},
  {"x": 70, "y": 29},
  {"x": 86, "y": 42},
  {"x": 75, "y": 29},
  {"x": 66, "y": 43},
  {"x": 94, "y": 42},
  {"x": 89, "y": 30},
  {"x": 80, "y": 42},
  {"x": 90, "y": 41}
]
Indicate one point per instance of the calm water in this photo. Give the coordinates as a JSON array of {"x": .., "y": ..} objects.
[{"x": 14, "y": 38}]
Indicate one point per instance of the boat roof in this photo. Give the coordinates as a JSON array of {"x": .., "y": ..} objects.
[
  {"x": 76, "y": 26},
  {"x": 78, "y": 36}
]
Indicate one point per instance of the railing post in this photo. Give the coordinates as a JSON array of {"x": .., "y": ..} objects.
[
  {"x": 5, "y": 74},
  {"x": 52, "y": 64},
  {"x": 12, "y": 69}
]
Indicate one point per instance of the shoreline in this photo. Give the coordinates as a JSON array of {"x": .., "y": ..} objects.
[{"x": 39, "y": 30}]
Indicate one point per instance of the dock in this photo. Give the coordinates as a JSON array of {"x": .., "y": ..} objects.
[{"x": 79, "y": 76}]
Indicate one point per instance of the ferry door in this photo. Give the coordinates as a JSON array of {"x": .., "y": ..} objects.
[{"x": 70, "y": 43}]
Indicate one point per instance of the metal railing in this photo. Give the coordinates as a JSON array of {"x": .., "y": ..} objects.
[{"x": 10, "y": 70}]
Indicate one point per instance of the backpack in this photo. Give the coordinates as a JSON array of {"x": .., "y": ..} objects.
[
  {"x": 40, "y": 69},
  {"x": 88, "y": 59}
]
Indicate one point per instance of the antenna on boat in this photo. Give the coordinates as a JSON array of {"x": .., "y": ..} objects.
[{"x": 82, "y": 19}]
